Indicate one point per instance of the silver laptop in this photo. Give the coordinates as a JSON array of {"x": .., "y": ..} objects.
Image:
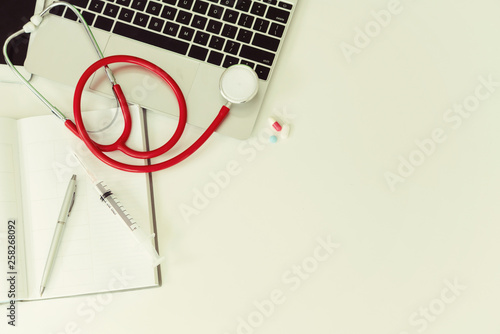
[{"x": 192, "y": 40}]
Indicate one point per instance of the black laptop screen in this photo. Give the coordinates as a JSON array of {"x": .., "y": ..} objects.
[{"x": 13, "y": 15}]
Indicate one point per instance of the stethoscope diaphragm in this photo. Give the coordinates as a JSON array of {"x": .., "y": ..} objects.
[{"x": 239, "y": 84}]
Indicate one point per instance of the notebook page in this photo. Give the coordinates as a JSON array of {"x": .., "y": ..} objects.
[
  {"x": 10, "y": 210},
  {"x": 96, "y": 248}
]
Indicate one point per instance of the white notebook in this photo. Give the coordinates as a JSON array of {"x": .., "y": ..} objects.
[{"x": 97, "y": 253}]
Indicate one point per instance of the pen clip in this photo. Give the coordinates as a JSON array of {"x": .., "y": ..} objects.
[{"x": 72, "y": 201}]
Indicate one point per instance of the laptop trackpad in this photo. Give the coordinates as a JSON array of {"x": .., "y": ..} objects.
[{"x": 142, "y": 86}]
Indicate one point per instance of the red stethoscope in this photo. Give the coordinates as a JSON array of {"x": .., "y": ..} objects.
[{"x": 238, "y": 84}]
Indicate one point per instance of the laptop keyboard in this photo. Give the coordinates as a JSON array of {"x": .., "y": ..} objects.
[{"x": 219, "y": 32}]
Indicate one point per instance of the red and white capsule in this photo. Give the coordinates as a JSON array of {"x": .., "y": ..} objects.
[{"x": 275, "y": 124}]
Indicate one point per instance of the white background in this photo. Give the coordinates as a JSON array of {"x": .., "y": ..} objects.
[{"x": 352, "y": 122}]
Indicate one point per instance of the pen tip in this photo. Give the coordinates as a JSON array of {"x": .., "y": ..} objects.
[{"x": 42, "y": 289}]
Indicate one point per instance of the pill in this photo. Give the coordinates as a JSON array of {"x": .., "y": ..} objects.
[
  {"x": 285, "y": 131},
  {"x": 273, "y": 139},
  {"x": 274, "y": 123}
]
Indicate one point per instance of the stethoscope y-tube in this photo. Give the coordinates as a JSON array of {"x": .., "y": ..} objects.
[{"x": 238, "y": 84}]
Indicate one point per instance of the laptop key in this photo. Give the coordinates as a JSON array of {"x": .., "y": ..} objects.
[
  {"x": 139, "y": 4},
  {"x": 96, "y": 6},
  {"x": 168, "y": 13},
  {"x": 244, "y": 36},
  {"x": 230, "y": 16},
  {"x": 88, "y": 17},
  {"x": 186, "y": 4},
  {"x": 111, "y": 10},
  {"x": 197, "y": 52},
  {"x": 216, "y": 42},
  {"x": 200, "y": 7},
  {"x": 154, "y": 8},
  {"x": 171, "y": 29},
  {"x": 276, "y": 30},
  {"x": 230, "y": 61},
  {"x": 261, "y": 25},
  {"x": 215, "y": 58},
  {"x": 70, "y": 15},
  {"x": 271, "y": 2},
  {"x": 258, "y": 9},
  {"x": 199, "y": 22},
  {"x": 151, "y": 38},
  {"x": 214, "y": 26},
  {"x": 266, "y": 42},
  {"x": 156, "y": 24},
  {"x": 277, "y": 14},
  {"x": 257, "y": 55},
  {"x": 232, "y": 47},
  {"x": 245, "y": 20},
  {"x": 262, "y": 72},
  {"x": 126, "y": 15},
  {"x": 184, "y": 17},
  {"x": 141, "y": 19},
  {"x": 215, "y": 11},
  {"x": 285, "y": 5},
  {"x": 229, "y": 31},
  {"x": 170, "y": 2},
  {"x": 243, "y": 5},
  {"x": 103, "y": 23},
  {"x": 186, "y": 33},
  {"x": 201, "y": 38}
]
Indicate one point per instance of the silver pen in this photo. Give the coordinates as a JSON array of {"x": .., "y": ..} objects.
[{"x": 67, "y": 205}]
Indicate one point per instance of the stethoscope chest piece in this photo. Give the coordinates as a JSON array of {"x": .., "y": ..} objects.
[{"x": 239, "y": 84}]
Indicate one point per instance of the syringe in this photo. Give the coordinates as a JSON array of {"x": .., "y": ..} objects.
[{"x": 119, "y": 211}]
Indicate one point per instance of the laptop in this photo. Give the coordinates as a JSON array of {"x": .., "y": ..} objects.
[{"x": 194, "y": 41}]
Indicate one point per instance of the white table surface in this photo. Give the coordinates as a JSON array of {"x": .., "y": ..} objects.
[{"x": 420, "y": 257}]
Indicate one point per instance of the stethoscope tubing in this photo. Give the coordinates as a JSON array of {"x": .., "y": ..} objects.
[
  {"x": 78, "y": 128},
  {"x": 120, "y": 143}
]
